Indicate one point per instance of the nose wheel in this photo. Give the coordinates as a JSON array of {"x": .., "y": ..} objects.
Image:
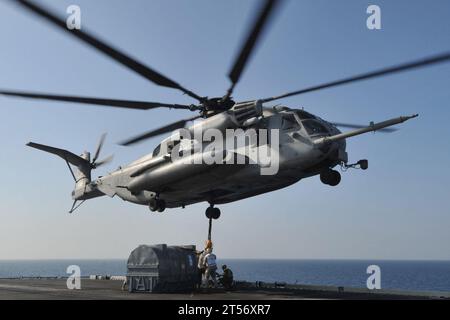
[{"x": 330, "y": 177}]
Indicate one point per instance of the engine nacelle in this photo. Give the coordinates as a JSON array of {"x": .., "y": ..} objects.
[
  {"x": 241, "y": 115},
  {"x": 246, "y": 113}
]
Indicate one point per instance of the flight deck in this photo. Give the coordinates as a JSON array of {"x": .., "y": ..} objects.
[{"x": 56, "y": 289}]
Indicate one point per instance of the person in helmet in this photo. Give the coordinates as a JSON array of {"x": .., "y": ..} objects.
[
  {"x": 226, "y": 280},
  {"x": 202, "y": 262},
  {"x": 210, "y": 267}
]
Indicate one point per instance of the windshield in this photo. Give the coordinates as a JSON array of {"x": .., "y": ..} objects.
[
  {"x": 289, "y": 122},
  {"x": 302, "y": 114},
  {"x": 314, "y": 127}
]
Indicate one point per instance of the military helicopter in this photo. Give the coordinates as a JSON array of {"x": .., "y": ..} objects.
[{"x": 307, "y": 144}]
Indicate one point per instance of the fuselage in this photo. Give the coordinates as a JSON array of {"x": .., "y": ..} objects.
[{"x": 179, "y": 184}]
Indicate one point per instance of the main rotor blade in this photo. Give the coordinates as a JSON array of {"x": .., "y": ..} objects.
[
  {"x": 99, "y": 147},
  {"x": 140, "y": 105},
  {"x": 107, "y": 49},
  {"x": 444, "y": 57},
  {"x": 358, "y": 126},
  {"x": 261, "y": 21},
  {"x": 153, "y": 133}
]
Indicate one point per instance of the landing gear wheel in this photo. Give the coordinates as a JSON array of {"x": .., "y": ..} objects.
[
  {"x": 161, "y": 205},
  {"x": 157, "y": 205},
  {"x": 330, "y": 177},
  {"x": 212, "y": 213},
  {"x": 153, "y": 205},
  {"x": 216, "y": 213},
  {"x": 335, "y": 178},
  {"x": 209, "y": 212},
  {"x": 324, "y": 176}
]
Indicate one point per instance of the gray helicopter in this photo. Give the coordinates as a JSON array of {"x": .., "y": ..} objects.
[{"x": 306, "y": 145}]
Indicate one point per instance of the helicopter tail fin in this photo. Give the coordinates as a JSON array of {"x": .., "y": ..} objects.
[
  {"x": 83, "y": 190},
  {"x": 82, "y": 173}
]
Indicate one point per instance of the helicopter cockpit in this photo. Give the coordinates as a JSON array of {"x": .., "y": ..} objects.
[
  {"x": 312, "y": 124},
  {"x": 296, "y": 119},
  {"x": 289, "y": 122}
]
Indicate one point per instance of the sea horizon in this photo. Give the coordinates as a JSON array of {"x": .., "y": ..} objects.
[{"x": 413, "y": 275}]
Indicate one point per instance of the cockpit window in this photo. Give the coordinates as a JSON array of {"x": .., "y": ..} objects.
[
  {"x": 156, "y": 151},
  {"x": 289, "y": 122},
  {"x": 304, "y": 115},
  {"x": 314, "y": 127}
]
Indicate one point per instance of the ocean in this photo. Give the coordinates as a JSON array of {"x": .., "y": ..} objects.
[{"x": 401, "y": 275}]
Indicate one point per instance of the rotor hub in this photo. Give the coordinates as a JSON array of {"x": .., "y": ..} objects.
[{"x": 213, "y": 106}]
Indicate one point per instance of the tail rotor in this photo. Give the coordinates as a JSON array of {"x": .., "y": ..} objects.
[{"x": 94, "y": 163}]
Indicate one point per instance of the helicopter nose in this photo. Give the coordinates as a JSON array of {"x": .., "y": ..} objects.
[
  {"x": 335, "y": 151},
  {"x": 341, "y": 155}
]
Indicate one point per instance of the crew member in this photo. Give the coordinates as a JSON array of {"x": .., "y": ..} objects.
[
  {"x": 201, "y": 265},
  {"x": 227, "y": 278},
  {"x": 211, "y": 267},
  {"x": 124, "y": 284}
]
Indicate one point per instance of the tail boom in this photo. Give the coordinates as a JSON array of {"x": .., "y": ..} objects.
[{"x": 84, "y": 188}]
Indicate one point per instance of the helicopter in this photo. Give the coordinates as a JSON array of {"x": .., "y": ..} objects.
[{"x": 305, "y": 144}]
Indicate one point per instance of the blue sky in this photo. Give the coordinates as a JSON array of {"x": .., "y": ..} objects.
[{"x": 398, "y": 209}]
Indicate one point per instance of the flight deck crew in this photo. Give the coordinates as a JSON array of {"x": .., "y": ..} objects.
[
  {"x": 211, "y": 267},
  {"x": 201, "y": 265},
  {"x": 227, "y": 278}
]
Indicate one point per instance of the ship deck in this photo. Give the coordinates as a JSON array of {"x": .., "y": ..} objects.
[{"x": 56, "y": 289}]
